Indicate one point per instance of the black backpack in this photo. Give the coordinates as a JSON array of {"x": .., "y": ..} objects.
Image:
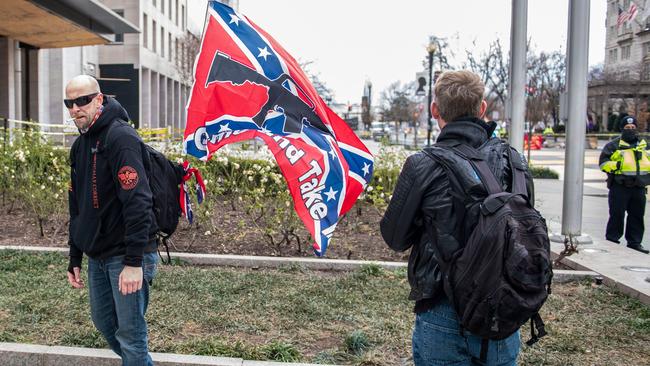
[
  {"x": 165, "y": 178},
  {"x": 502, "y": 276}
]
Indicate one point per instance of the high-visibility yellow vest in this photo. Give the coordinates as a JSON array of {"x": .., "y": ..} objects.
[{"x": 628, "y": 160}]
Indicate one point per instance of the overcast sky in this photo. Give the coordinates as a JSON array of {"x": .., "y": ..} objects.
[{"x": 354, "y": 41}]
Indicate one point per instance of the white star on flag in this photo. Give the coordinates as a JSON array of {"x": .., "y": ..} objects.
[
  {"x": 366, "y": 168},
  {"x": 224, "y": 128},
  {"x": 332, "y": 154},
  {"x": 264, "y": 52},
  {"x": 234, "y": 19},
  {"x": 331, "y": 194}
]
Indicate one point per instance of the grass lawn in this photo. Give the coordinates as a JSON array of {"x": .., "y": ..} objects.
[{"x": 360, "y": 317}]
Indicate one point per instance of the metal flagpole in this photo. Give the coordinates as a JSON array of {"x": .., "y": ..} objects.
[
  {"x": 577, "y": 58},
  {"x": 518, "y": 73}
]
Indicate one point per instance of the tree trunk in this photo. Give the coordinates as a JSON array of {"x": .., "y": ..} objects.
[{"x": 41, "y": 221}]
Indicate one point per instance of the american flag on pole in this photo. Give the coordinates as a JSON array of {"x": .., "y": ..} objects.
[
  {"x": 622, "y": 15},
  {"x": 626, "y": 15},
  {"x": 632, "y": 12},
  {"x": 247, "y": 86}
]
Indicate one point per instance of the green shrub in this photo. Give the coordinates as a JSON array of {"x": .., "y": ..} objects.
[
  {"x": 36, "y": 174},
  {"x": 280, "y": 351},
  {"x": 541, "y": 172},
  {"x": 372, "y": 270},
  {"x": 357, "y": 342}
]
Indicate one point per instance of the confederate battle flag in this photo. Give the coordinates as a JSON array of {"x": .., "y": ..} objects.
[{"x": 246, "y": 86}]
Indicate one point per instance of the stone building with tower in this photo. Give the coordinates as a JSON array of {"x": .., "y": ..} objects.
[{"x": 623, "y": 83}]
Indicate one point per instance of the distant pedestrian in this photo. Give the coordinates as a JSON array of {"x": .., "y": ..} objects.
[
  {"x": 111, "y": 219},
  {"x": 427, "y": 216},
  {"x": 627, "y": 164}
]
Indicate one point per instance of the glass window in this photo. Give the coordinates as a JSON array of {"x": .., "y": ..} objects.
[
  {"x": 162, "y": 41},
  {"x": 169, "y": 46},
  {"x": 154, "y": 31},
  {"x": 145, "y": 31},
  {"x": 119, "y": 37},
  {"x": 625, "y": 52},
  {"x": 183, "y": 16}
]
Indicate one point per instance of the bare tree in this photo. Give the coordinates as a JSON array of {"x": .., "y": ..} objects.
[
  {"x": 492, "y": 67},
  {"x": 441, "y": 55},
  {"x": 546, "y": 80},
  {"x": 187, "y": 48},
  {"x": 398, "y": 103},
  {"x": 321, "y": 88}
]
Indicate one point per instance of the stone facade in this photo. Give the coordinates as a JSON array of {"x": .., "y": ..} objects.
[{"x": 623, "y": 86}]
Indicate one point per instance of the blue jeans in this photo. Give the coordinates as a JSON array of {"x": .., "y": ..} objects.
[
  {"x": 437, "y": 341},
  {"x": 118, "y": 317}
]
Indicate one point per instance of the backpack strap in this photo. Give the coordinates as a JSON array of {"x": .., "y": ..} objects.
[
  {"x": 536, "y": 323},
  {"x": 518, "y": 176},
  {"x": 453, "y": 180},
  {"x": 107, "y": 136},
  {"x": 477, "y": 162}
]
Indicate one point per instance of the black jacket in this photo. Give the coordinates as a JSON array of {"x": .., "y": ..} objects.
[
  {"x": 423, "y": 197},
  {"x": 110, "y": 199}
]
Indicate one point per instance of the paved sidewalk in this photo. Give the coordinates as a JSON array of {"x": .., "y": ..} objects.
[
  {"x": 595, "y": 209},
  {"x": 620, "y": 266}
]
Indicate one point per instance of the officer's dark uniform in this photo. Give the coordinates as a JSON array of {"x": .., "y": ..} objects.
[{"x": 626, "y": 162}]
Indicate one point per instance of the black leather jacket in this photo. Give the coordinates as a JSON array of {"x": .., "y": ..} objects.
[{"x": 423, "y": 197}]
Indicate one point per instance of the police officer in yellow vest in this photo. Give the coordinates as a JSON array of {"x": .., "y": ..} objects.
[{"x": 626, "y": 162}]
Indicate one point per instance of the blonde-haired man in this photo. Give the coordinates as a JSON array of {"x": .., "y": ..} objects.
[{"x": 427, "y": 216}]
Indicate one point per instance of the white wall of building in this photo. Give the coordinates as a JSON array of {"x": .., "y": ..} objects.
[{"x": 56, "y": 67}]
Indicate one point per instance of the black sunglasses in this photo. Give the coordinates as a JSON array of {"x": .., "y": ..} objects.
[{"x": 79, "y": 101}]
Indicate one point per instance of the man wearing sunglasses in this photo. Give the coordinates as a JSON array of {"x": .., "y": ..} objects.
[{"x": 111, "y": 219}]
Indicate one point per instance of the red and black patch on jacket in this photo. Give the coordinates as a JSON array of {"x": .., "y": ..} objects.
[{"x": 128, "y": 177}]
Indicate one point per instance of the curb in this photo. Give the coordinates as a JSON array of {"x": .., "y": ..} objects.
[
  {"x": 20, "y": 354},
  {"x": 317, "y": 264},
  {"x": 564, "y": 275},
  {"x": 249, "y": 261}
]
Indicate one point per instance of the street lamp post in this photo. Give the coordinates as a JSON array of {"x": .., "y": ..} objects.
[
  {"x": 366, "y": 107},
  {"x": 431, "y": 48}
]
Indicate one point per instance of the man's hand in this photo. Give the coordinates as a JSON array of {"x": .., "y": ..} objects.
[
  {"x": 130, "y": 280},
  {"x": 75, "y": 278}
]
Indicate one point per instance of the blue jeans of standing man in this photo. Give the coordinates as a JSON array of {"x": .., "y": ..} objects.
[
  {"x": 118, "y": 317},
  {"x": 437, "y": 341}
]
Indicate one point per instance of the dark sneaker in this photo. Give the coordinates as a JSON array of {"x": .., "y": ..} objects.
[
  {"x": 613, "y": 241},
  {"x": 639, "y": 248}
]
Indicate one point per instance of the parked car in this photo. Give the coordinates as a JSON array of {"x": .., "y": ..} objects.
[{"x": 378, "y": 130}]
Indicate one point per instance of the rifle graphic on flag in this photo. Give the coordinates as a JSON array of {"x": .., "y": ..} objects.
[{"x": 246, "y": 86}]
